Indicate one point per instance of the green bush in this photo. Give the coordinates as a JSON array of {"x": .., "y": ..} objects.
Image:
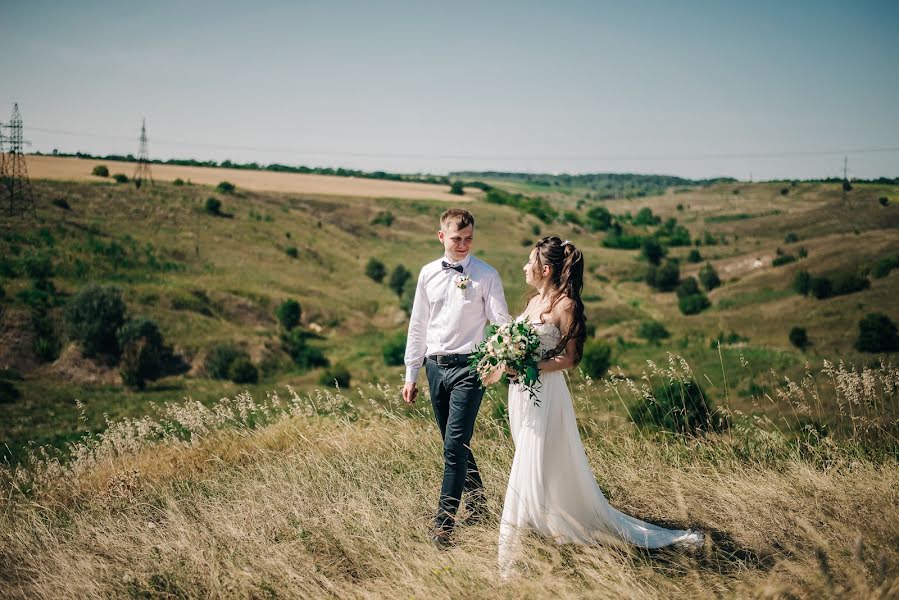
[
  {"x": 802, "y": 283},
  {"x": 9, "y": 393},
  {"x": 535, "y": 228},
  {"x": 289, "y": 313},
  {"x": 687, "y": 287},
  {"x": 138, "y": 364},
  {"x": 678, "y": 406},
  {"x": 394, "y": 351},
  {"x": 242, "y": 370},
  {"x": 883, "y": 266},
  {"x": 408, "y": 296},
  {"x": 100, "y": 171},
  {"x": 93, "y": 317},
  {"x": 120, "y": 178},
  {"x": 848, "y": 283},
  {"x": 213, "y": 206},
  {"x": 645, "y": 217},
  {"x": 820, "y": 287},
  {"x": 375, "y": 269},
  {"x": 694, "y": 256},
  {"x": 877, "y": 333},
  {"x": 884, "y": 201},
  {"x": 219, "y": 359},
  {"x": 652, "y": 331},
  {"x": 664, "y": 278},
  {"x": 597, "y": 358},
  {"x": 653, "y": 251},
  {"x": 305, "y": 356},
  {"x": 292, "y": 252},
  {"x": 398, "y": 278},
  {"x": 783, "y": 259},
  {"x": 791, "y": 238},
  {"x": 457, "y": 188},
  {"x": 799, "y": 337},
  {"x": 709, "y": 277},
  {"x": 384, "y": 218},
  {"x": 693, "y": 304},
  {"x": 226, "y": 187},
  {"x": 178, "y": 181},
  {"x": 338, "y": 375}
]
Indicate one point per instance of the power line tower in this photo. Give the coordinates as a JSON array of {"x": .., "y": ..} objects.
[
  {"x": 13, "y": 171},
  {"x": 142, "y": 170}
]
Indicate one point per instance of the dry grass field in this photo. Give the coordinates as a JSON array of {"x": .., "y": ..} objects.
[{"x": 78, "y": 169}]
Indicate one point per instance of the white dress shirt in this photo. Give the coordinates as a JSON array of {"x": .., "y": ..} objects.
[{"x": 449, "y": 320}]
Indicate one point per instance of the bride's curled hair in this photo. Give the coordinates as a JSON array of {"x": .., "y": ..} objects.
[{"x": 567, "y": 281}]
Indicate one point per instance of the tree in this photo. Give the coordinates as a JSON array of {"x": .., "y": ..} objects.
[
  {"x": 709, "y": 277},
  {"x": 226, "y": 187},
  {"x": 653, "y": 250},
  {"x": 664, "y": 278},
  {"x": 213, "y": 206},
  {"x": 375, "y": 269},
  {"x": 693, "y": 304},
  {"x": 398, "y": 278},
  {"x": 877, "y": 333},
  {"x": 93, "y": 316},
  {"x": 645, "y": 217},
  {"x": 100, "y": 171},
  {"x": 457, "y": 188},
  {"x": 597, "y": 357},
  {"x": 652, "y": 331},
  {"x": 802, "y": 282},
  {"x": 598, "y": 219},
  {"x": 289, "y": 313},
  {"x": 799, "y": 337},
  {"x": 694, "y": 256}
]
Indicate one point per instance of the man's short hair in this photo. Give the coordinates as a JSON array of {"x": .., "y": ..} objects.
[{"x": 461, "y": 217}]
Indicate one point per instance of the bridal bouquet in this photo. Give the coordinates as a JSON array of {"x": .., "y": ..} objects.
[{"x": 515, "y": 345}]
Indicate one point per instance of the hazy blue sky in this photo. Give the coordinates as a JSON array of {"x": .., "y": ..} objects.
[{"x": 692, "y": 88}]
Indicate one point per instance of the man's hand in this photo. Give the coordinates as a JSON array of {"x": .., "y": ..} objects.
[{"x": 410, "y": 392}]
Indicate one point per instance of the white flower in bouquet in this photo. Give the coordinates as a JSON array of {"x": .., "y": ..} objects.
[{"x": 515, "y": 345}]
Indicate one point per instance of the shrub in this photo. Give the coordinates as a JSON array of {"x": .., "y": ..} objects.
[
  {"x": 394, "y": 351},
  {"x": 61, "y": 203},
  {"x": 803, "y": 252},
  {"x": 645, "y": 217},
  {"x": 219, "y": 359},
  {"x": 292, "y": 252},
  {"x": 883, "y": 266},
  {"x": 820, "y": 287},
  {"x": 457, "y": 188},
  {"x": 243, "y": 371},
  {"x": 93, "y": 317},
  {"x": 877, "y": 333},
  {"x": 694, "y": 256},
  {"x": 678, "y": 406},
  {"x": 664, "y": 278},
  {"x": 535, "y": 228},
  {"x": 408, "y": 296},
  {"x": 732, "y": 338},
  {"x": 100, "y": 171},
  {"x": 120, "y": 178},
  {"x": 398, "y": 278},
  {"x": 289, "y": 313},
  {"x": 802, "y": 283},
  {"x": 178, "y": 181},
  {"x": 137, "y": 364},
  {"x": 295, "y": 344},
  {"x": 213, "y": 206},
  {"x": 653, "y": 250},
  {"x": 621, "y": 241},
  {"x": 375, "y": 269},
  {"x": 598, "y": 219},
  {"x": 693, "y": 304},
  {"x": 385, "y": 218},
  {"x": 597, "y": 357},
  {"x": 884, "y": 201},
  {"x": 848, "y": 283},
  {"x": 652, "y": 331},
  {"x": 9, "y": 393},
  {"x": 783, "y": 259},
  {"x": 687, "y": 287},
  {"x": 226, "y": 187},
  {"x": 709, "y": 277},
  {"x": 791, "y": 238},
  {"x": 338, "y": 375},
  {"x": 38, "y": 265},
  {"x": 784, "y": 191},
  {"x": 799, "y": 337}
]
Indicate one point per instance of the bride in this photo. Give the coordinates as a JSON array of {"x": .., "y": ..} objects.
[{"x": 551, "y": 487}]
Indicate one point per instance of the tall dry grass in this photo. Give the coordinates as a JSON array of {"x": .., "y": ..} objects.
[{"x": 331, "y": 495}]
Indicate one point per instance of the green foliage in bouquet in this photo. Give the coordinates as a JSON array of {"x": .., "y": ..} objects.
[{"x": 515, "y": 345}]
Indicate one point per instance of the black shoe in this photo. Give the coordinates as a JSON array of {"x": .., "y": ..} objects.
[{"x": 441, "y": 537}]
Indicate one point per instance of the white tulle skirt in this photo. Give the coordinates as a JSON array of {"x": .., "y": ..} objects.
[{"x": 551, "y": 486}]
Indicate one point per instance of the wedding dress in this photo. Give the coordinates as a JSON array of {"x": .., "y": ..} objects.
[{"x": 551, "y": 487}]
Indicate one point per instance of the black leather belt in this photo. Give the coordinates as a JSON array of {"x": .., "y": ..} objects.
[{"x": 449, "y": 360}]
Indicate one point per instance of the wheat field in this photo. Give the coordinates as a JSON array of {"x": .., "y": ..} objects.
[{"x": 329, "y": 495}]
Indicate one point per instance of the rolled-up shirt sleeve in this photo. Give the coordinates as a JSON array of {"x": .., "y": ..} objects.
[
  {"x": 495, "y": 306},
  {"x": 416, "y": 339}
]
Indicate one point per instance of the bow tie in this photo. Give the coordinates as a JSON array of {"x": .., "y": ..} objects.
[{"x": 446, "y": 266}]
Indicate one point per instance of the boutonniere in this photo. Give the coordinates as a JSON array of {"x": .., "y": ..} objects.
[{"x": 462, "y": 282}]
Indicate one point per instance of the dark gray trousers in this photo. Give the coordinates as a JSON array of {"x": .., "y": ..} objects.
[{"x": 456, "y": 395}]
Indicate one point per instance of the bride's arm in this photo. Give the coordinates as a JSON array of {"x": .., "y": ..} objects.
[{"x": 563, "y": 313}]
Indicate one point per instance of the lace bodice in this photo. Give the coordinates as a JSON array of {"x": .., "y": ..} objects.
[{"x": 549, "y": 337}]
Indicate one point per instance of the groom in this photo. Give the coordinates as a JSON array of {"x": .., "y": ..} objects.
[{"x": 456, "y": 296}]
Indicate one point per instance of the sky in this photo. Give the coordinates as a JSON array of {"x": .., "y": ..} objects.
[{"x": 763, "y": 89}]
